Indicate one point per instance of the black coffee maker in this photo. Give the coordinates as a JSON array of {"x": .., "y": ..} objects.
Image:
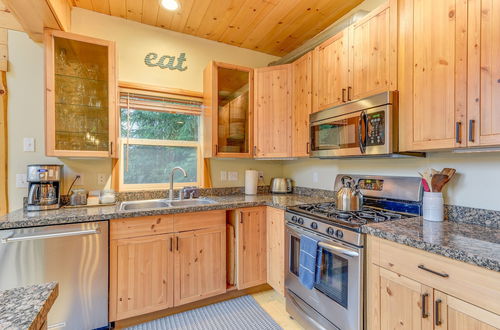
[{"x": 44, "y": 187}]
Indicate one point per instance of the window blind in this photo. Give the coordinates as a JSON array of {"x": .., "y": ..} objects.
[{"x": 191, "y": 106}]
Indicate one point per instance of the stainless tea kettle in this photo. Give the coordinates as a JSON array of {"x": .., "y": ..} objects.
[{"x": 349, "y": 197}]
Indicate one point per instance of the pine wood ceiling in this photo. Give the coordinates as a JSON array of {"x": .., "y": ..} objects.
[{"x": 270, "y": 26}]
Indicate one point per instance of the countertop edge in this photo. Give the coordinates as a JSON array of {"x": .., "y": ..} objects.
[{"x": 42, "y": 314}]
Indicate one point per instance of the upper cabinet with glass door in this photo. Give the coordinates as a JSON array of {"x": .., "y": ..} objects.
[
  {"x": 228, "y": 95},
  {"x": 80, "y": 96}
]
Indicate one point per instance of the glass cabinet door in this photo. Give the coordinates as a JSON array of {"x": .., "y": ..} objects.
[{"x": 81, "y": 87}]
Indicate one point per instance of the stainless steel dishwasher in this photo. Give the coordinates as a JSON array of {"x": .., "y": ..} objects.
[{"x": 75, "y": 255}]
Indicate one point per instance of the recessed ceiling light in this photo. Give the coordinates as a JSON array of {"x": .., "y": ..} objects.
[{"x": 170, "y": 4}]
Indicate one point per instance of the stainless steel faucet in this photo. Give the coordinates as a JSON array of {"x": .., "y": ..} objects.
[{"x": 171, "y": 190}]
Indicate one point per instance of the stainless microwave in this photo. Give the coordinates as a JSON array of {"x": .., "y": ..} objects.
[{"x": 366, "y": 127}]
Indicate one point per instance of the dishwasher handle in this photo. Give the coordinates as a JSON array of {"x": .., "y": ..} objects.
[{"x": 52, "y": 235}]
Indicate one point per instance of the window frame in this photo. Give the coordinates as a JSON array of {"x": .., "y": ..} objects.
[{"x": 119, "y": 164}]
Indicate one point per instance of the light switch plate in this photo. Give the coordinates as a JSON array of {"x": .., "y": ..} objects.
[
  {"x": 29, "y": 144},
  {"x": 232, "y": 176},
  {"x": 223, "y": 175},
  {"x": 21, "y": 181}
]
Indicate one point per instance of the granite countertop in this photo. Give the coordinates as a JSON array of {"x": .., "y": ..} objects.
[
  {"x": 473, "y": 244},
  {"x": 27, "y": 307},
  {"x": 21, "y": 219}
]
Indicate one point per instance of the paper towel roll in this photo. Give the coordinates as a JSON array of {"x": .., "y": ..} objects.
[{"x": 251, "y": 179}]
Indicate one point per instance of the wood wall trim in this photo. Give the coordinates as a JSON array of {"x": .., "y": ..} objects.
[
  {"x": 3, "y": 144},
  {"x": 159, "y": 89}
]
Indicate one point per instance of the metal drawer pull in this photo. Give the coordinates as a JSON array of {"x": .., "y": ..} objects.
[
  {"x": 425, "y": 314},
  {"x": 458, "y": 132},
  {"x": 471, "y": 130},
  {"x": 436, "y": 312},
  {"x": 54, "y": 235},
  {"x": 433, "y": 271},
  {"x": 338, "y": 249}
]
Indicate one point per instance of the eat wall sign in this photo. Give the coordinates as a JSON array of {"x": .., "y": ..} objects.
[{"x": 166, "y": 61}]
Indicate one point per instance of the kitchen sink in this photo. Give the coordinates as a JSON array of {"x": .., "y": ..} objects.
[{"x": 162, "y": 203}]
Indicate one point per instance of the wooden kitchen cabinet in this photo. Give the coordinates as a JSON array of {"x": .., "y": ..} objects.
[
  {"x": 275, "y": 220},
  {"x": 141, "y": 275},
  {"x": 273, "y": 111},
  {"x": 412, "y": 289},
  {"x": 228, "y": 111},
  {"x": 483, "y": 112},
  {"x": 81, "y": 82},
  {"x": 251, "y": 242},
  {"x": 200, "y": 264},
  {"x": 373, "y": 53},
  {"x": 301, "y": 105},
  {"x": 432, "y": 74}
]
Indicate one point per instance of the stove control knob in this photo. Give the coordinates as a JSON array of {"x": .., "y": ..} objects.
[
  {"x": 330, "y": 231},
  {"x": 294, "y": 219},
  {"x": 339, "y": 233},
  {"x": 300, "y": 221},
  {"x": 314, "y": 225}
]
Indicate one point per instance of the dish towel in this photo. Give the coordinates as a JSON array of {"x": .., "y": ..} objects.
[{"x": 307, "y": 261}]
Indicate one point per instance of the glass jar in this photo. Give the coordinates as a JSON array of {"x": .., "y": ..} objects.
[
  {"x": 78, "y": 197},
  {"x": 108, "y": 196}
]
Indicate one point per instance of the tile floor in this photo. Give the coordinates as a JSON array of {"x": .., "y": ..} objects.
[{"x": 274, "y": 304}]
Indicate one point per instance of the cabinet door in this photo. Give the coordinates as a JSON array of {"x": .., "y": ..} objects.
[
  {"x": 275, "y": 220},
  {"x": 373, "y": 53},
  {"x": 273, "y": 111},
  {"x": 484, "y": 73},
  {"x": 404, "y": 303},
  {"x": 141, "y": 277},
  {"x": 251, "y": 247},
  {"x": 302, "y": 105},
  {"x": 330, "y": 77},
  {"x": 456, "y": 314},
  {"x": 200, "y": 264},
  {"x": 80, "y": 96},
  {"x": 432, "y": 74},
  {"x": 228, "y": 115}
]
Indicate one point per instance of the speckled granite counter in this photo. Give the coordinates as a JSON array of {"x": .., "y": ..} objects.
[
  {"x": 21, "y": 219},
  {"x": 27, "y": 307},
  {"x": 473, "y": 244}
]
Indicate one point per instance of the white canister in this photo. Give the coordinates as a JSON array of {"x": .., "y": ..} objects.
[
  {"x": 433, "y": 208},
  {"x": 251, "y": 180}
]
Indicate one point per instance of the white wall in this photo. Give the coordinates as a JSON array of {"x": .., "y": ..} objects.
[{"x": 475, "y": 185}]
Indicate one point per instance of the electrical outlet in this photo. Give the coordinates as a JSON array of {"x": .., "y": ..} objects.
[
  {"x": 21, "y": 181},
  {"x": 223, "y": 175},
  {"x": 232, "y": 176},
  {"x": 101, "y": 179},
  {"x": 29, "y": 144},
  {"x": 80, "y": 181},
  {"x": 261, "y": 175},
  {"x": 315, "y": 177}
]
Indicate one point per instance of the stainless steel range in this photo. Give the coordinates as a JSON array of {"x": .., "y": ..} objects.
[{"x": 336, "y": 300}]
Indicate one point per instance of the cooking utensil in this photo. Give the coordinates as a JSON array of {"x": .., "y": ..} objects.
[
  {"x": 438, "y": 182},
  {"x": 450, "y": 172},
  {"x": 349, "y": 197},
  {"x": 426, "y": 185}
]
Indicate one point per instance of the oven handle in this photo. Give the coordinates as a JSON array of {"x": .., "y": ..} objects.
[{"x": 338, "y": 249}]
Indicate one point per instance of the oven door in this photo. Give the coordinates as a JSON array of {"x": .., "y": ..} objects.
[
  {"x": 337, "y": 295},
  {"x": 367, "y": 132}
]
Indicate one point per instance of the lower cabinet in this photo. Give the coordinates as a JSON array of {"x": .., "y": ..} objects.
[
  {"x": 275, "y": 219},
  {"x": 155, "y": 263},
  {"x": 420, "y": 297}
]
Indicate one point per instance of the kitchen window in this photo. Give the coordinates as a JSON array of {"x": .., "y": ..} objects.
[{"x": 157, "y": 133}]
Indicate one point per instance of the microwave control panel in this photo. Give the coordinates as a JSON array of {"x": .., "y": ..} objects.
[{"x": 376, "y": 129}]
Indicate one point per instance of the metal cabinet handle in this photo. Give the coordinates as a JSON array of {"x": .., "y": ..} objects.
[
  {"x": 177, "y": 243},
  {"x": 425, "y": 314},
  {"x": 53, "y": 235},
  {"x": 343, "y": 95},
  {"x": 349, "y": 90},
  {"x": 433, "y": 271},
  {"x": 471, "y": 130},
  {"x": 216, "y": 149},
  {"x": 307, "y": 147},
  {"x": 241, "y": 217},
  {"x": 171, "y": 244},
  {"x": 436, "y": 312},
  {"x": 458, "y": 132},
  {"x": 111, "y": 148}
]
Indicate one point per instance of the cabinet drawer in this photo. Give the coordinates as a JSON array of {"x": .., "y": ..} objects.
[
  {"x": 479, "y": 286},
  {"x": 199, "y": 220},
  {"x": 142, "y": 226}
]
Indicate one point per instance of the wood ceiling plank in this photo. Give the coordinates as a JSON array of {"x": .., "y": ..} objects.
[
  {"x": 150, "y": 10},
  {"x": 8, "y": 20},
  {"x": 134, "y": 10},
  {"x": 196, "y": 16},
  {"x": 118, "y": 8},
  {"x": 217, "y": 18},
  {"x": 165, "y": 18},
  {"x": 247, "y": 18},
  {"x": 181, "y": 16},
  {"x": 85, "y": 4},
  {"x": 101, "y": 6}
]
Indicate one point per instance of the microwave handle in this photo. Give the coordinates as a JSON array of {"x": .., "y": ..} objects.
[{"x": 362, "y": 128}]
